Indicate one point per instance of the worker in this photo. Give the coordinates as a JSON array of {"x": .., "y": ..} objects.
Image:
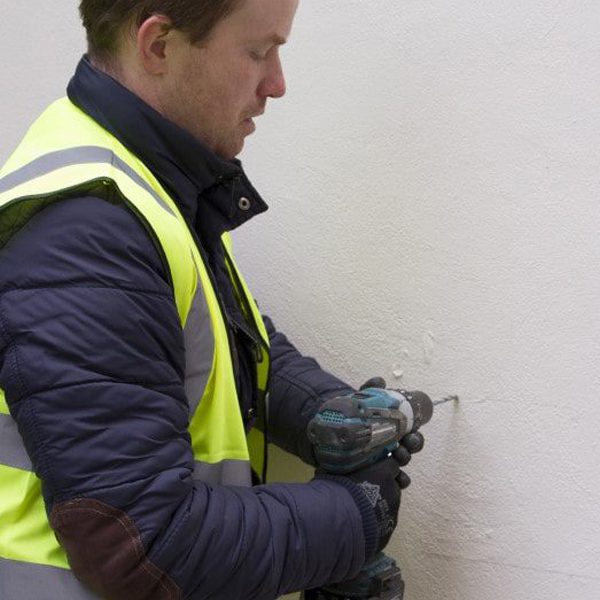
[{"x": 134, "y": 362}]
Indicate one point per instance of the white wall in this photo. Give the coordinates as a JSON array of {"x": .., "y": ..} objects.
[
  {"x": 434, "y": 181},
  {"x": 433, "y": 177},
  {"x": 40, "y": 43}
]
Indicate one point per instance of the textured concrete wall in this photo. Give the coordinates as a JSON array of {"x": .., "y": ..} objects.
[{"x": 434, "y": 181}]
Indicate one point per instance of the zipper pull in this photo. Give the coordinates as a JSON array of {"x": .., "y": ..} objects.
[{"x": 258, "y": 354}]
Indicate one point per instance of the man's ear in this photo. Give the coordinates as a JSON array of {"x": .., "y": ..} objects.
[{"x": 152, "y": 39}]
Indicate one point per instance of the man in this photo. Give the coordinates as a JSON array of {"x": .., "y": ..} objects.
[{"x": 134, "y": 360}]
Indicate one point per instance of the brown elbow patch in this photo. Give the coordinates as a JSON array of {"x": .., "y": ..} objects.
[{"x": 106, "y": 553}]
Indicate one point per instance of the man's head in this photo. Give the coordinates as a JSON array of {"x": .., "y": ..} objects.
[{"x": 207, "y": 65}]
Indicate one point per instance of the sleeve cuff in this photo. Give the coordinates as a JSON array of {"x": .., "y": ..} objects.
[{"x": 369, "y": 520}]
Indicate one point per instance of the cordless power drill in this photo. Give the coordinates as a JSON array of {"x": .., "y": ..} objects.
[{"x": 354, "y": 432}]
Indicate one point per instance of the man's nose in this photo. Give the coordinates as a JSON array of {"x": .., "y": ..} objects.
[{"x": 273, "y": 85}]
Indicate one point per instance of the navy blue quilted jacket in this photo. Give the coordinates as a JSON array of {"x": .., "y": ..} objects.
[{"x": 92, "y": 361}]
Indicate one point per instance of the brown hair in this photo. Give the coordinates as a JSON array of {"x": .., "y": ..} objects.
[{"x": 105, "y": 20}]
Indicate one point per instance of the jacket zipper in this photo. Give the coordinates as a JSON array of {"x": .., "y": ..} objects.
[{"x": 257, "y": 346}]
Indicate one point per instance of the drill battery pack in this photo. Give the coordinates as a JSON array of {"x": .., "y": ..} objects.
[{"x": 381, "y": 580}]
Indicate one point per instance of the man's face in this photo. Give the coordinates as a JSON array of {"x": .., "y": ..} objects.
[{"x": 215, "y": 89}]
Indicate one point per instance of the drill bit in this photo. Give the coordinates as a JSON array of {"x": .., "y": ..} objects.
[{"x": 446, "y": 399}]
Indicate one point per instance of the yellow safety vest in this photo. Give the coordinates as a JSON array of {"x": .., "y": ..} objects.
[{"x": 67, "y": 154}]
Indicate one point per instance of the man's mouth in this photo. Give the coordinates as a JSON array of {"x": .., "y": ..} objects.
[
  {"x": 249, "y": 123},
  {"x": 256, "y": 114}
]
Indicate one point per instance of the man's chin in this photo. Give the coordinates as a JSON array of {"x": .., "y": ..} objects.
[{"x": 231, "y": 149}]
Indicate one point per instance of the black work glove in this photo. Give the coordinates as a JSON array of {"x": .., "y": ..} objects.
[
  {"x": 410, "y": 444},
  {"x": 382, "y": 483},
  {"x": 376, "y": 490}
]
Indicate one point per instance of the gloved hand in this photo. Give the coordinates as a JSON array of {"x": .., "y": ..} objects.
[
  {"x": 410, "y": 444},
  {"x": 376, "y": 490},
  {"x": 376, "y": 487}
]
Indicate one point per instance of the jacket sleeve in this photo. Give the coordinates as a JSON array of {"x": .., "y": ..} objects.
[
  {"x": 91, "y": 360},
  {"x": 298, "y": 387}
]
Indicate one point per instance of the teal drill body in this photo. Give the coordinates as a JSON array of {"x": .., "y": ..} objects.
[{"x": 359, "y": 430}]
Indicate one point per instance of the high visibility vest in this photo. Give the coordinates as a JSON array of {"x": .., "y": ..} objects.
[{"x": 67, "y": 154}]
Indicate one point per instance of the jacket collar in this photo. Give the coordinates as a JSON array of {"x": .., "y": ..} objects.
[{"x": 206, "y": 187}]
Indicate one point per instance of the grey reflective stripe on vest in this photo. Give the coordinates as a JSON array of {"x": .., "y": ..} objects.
[
  {"x": 12, "y": 450},
  {"x": 28, "y": 581},
  {"x": 199, "y": 355},
  {"x": 82, "y": 155},
  {"x": 199, "y": 348},
  {"x": 226, "y": 472}
]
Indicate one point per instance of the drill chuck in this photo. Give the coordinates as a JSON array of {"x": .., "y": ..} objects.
[{"x": 422, "y": 408}]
